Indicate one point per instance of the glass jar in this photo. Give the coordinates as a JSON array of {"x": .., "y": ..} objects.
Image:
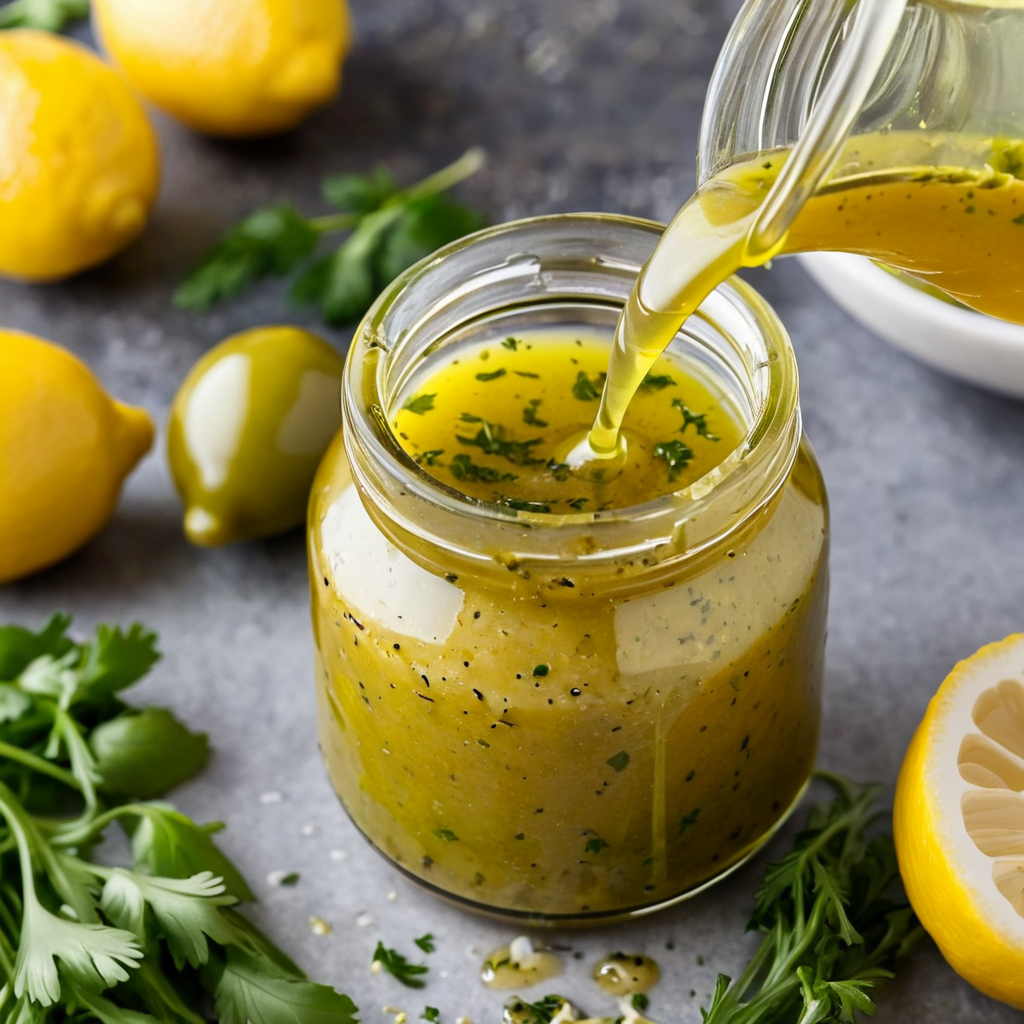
[{"x": 567, "y": 718}]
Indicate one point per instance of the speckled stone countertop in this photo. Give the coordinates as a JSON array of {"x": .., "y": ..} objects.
[{"x": 582, "y": 105}]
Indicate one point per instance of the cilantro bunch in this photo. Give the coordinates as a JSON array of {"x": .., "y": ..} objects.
[
  {"x": 833, "y": 919},
  {"x": 390, "y": 230},
  {"x": 159, "y": 942}
]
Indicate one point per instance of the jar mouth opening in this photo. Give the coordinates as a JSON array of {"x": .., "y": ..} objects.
[{"x": 550, "y": 267}]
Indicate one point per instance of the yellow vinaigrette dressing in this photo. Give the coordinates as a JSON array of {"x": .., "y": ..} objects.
[
  {"x": 497, "y": 421},
  {"x": 893, "y": 198}
]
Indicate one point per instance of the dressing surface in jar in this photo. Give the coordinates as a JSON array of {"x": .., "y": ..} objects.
[{"x": 545, "y": 696}]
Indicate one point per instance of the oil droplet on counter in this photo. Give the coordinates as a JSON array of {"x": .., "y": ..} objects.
[
  {"x": 626, "y": 974},
  {"x": 519, "y": 965}
]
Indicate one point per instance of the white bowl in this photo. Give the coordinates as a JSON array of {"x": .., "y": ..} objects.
[{"x": 955, "y": 340}]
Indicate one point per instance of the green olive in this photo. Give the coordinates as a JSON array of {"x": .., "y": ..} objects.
[{"x": 247, "y": 430}]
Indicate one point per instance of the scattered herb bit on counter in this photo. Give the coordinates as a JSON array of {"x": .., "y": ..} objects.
[
  {"x": 161, "y": 941},
  {"x": 46, "y": 15},
  {"x": 426, "y": 942},
  {"x": 391, "y": 229},
  {"x": 640, "y": 1001},
  {"x": 833, "y": 917},
  {"x": 396, "y": 965},
  {"x": 432, "y": 1014}
]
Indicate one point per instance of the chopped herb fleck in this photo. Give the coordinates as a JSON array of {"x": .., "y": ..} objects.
[
  {"x": 396, "y": 965},
  {"x": 690, "y": 819},
  {"x": 524, "y": 373},
  {"x": 540, "y": 670},
  {"x": 511, "y": 344},
  {"x": 491, "y": 438},
  {"x": 464, "y": 468},
  {"x": 619, "y": 761},
  {"x": 639, "y": 1001},
  {"x": 493, "y": 375},
  {"x": 468, "y": 417},
  {"x": 577, "y": 503},
  {"x": 1019, "y": 220},
  {"x": 587, "y": 390},
  {"x": 419, "y": 404},
  {"x": 432, "y": 1014},
  {"x": 657, "y": 382},
  {"x": 291, "y": 878},
  {"x": 446, "y": 834},
  {"x": 426, "y": 942},
  {"x": 520, "y": 835},
  {"x": 429, "y": 458},
  {"x": 699, "y": 420},
  {"x": 676, "y": 454},
  {"x": 522, "y": 505},
  {"x": 530, "y": 414},
  {"x": 595, "y": 845}
]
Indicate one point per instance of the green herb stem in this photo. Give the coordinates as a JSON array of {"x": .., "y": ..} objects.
[
  {"x": 39, "y": 764},
  {"x": 440, "y": 181}
]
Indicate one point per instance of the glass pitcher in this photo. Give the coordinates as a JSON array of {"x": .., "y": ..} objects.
[
  {"x": 889, "y": 128},
  {"x": 860, "y": 96}
]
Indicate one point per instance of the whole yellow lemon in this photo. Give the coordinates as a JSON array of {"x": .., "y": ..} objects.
[
  {"x": 65, "y": 448},
  {"x": 229, "y": 67},
  {"x": 78, "y": 159}
]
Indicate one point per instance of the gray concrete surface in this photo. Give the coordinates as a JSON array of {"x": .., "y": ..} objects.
[{"x": 582, "y": 105}]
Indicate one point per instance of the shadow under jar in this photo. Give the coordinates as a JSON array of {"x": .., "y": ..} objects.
[{"x": 677, "y": 721}]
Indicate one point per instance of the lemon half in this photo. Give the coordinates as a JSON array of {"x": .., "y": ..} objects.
[{"x": 959, "y": 820}]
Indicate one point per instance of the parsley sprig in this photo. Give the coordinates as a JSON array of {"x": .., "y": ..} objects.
[
  {"x": 833, "y": 920},
  {"x": 46, "y": 15},
  {"x": 160, "y": 941},
  {"x": 390, "y": 229},
  {"x": 396, "y": 965}
]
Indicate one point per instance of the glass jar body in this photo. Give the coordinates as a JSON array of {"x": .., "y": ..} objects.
[
  {"x": 671, "y": 730},
  {"x": 568, "y": 719}
]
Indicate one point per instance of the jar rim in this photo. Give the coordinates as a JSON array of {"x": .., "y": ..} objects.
[{"x": 389, "y": 477}]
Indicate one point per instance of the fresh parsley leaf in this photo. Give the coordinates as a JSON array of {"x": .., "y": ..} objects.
[
  {"x": 587, "y": 390},
  {"x": 676, "y": 454},
  {"x": 390, "y": 230},
  {"x": 396, "y": 965},
  {"x": 424, "y": 226},
  {"x": 53, "y": 948},
  {"x": 494, "y": 375},
  {"x": 639, "y": 1001},
  {"x": 145, "y": 753},
  {"x": 46, "y": 15},
  {"x": 359, "y": 193},
  {"x": 699, "y": 420},
  {"x": 657, "y": 382},
  {"x": 419, "y": 404},
  {"x": 125, "y": 946},
  {"x": 270, "y": 242},
  {"x": 19, "y": 647},
  {"x": 185, "y": 910},
  {"x": 431, "y": 1014},
  {"x": 247, "y": 991},
  {"x": 425, "y": 942},
  {"x": 169, "y": 844}
]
